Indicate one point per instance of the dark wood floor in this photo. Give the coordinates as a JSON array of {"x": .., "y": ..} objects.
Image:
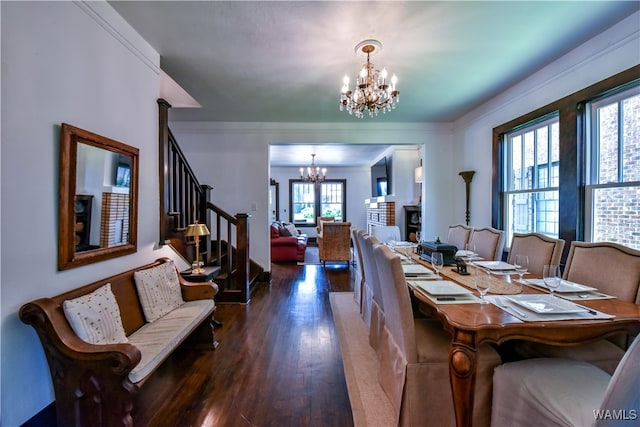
[{"x": 278, "y": 363}]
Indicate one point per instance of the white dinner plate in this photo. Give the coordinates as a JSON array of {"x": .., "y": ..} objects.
[
  {"x": 545, "y": 304},
  {"x": 441, "y": 287},
  {"x": 495, "y": 265},
  {"x": 565, "y": 286}
]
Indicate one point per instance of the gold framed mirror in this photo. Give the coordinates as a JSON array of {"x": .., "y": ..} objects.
[{"x": 98, "y": 198}]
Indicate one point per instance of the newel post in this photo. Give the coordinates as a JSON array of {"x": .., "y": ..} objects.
[{"x": 242, "y": 240}]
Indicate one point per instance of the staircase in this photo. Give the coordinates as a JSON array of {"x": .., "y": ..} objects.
[{"x": 183, "y": 201}]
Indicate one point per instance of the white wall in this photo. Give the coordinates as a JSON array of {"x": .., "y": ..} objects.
[
  {"x": 611, "y": 52},
  {"x": 234, "y": 159},
  {"x": 405, "y": 191},
  {"x": 81, "y": 63},
  {"x": 78, "y": 63}
]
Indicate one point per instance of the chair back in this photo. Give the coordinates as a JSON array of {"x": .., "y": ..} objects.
[
  {"x": 336, "y": 242},
  {"x": 398, "y": 313},
  {"x": 622, "y": 391},
  {"x": 321, "y": 220},
  {"x": 458, "y": 235},
  {"x": 358, "y": 286},
  {"x": 386, "y": 233},
  {"x": 367, "y": 287},
  {"x": 371, "y": 271},
  {"x": 358, "y": 251},
  {"x": 488, "y": 242},
  {"x": 612, "y": 268},
  {"x": 542, "y": 250}
]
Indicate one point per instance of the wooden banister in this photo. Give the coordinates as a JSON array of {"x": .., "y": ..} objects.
[{"x": 183, "y": 201}]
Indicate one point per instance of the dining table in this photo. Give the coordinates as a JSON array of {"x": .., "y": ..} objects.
[{"x": 471, "y": 324}]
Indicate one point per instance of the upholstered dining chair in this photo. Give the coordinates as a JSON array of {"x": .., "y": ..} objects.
[
  {"x": 414, "y": 357},
  {"x": 488, "y": 242},
  {"x": 565, "y": 392},
  {"x": 611, "y": 268},
  {"x": 358, "y": 286},
  {"x": 542, "y": 250},
  {"x": 376, "y": 322},
  {"x": 334, "y": 243},
  {"x": 386, "y": 233},
  {"x": 367, "y": 288},
  {"x": 458, "y": 236}
]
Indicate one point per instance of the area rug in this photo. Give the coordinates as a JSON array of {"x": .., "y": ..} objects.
[{"x": 369, "y": 403}]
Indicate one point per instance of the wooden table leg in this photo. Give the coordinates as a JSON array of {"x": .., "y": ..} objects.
[{"x": 463, "y": 362}]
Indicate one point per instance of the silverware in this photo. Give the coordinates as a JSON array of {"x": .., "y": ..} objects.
[
  {"x": 590, "y": 311},
  {"x": 502, "y": 304}
]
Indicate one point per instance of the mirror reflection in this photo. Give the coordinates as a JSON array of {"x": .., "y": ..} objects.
[
  {"x": 102, "y": 201},
  {"x": 98, "y": 198}
]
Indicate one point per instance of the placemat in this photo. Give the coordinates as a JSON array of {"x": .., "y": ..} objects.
[
  {"x": 499, "y": 284},
  {"x": 458, "y": 299},
  {"x": 530, "y": 316}
]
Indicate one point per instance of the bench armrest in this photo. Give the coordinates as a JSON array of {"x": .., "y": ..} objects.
[
  {"x": 192, "y": 291},
  {"x": 60, "y": 340}
]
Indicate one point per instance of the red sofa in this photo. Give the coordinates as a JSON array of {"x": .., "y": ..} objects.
[{"x": 287, "y": 248}]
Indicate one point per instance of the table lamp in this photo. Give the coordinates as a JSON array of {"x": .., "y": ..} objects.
[{"x": 196, "y": 230}]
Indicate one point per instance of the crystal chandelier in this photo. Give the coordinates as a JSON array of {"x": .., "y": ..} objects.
[
  {"x": 313, "y": 172},
  {"x": 372, "y": 91}
]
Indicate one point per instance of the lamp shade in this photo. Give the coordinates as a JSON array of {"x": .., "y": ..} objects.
[
  {"x": 197, "y": 230},
  {"x": 418, "y": 175}
]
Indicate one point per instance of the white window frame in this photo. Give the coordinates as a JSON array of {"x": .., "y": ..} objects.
[
  {"x": 592, "y": 155},
  {"x": 534, "y": 190}
]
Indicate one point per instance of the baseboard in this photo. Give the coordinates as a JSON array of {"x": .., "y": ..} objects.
[{"x": 44, "y": 418}]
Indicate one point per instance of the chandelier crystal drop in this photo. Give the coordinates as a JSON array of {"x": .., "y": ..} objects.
[
  {"x": 314, "y": 173},
  {"x": 373, "y": 92}
]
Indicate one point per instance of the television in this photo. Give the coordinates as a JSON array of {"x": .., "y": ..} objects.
[{"x": 381, "y": 178}]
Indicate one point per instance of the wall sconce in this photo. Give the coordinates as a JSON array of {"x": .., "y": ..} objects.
[
  {"x": 417, "y": 173},
  {"x": 196, "y": 230}
]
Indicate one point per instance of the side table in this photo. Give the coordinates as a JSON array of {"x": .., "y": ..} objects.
[{"x": 209, "y": 273}]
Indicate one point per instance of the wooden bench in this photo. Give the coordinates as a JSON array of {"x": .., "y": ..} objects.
[{"x": 93, "y": 382}]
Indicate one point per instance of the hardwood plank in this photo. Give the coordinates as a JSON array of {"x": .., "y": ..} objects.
[{"x": 278, "y": 362}]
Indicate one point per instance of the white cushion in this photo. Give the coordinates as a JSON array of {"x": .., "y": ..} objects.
[
  {"x": 547, "y": 392},
  {"x": 157, "y": 340},
  {"x": 95, "y": 317},
  {"x": 159, "y": 290},
  {"x": 323, "y": 221},
  {"x": 292, "y": 229}
]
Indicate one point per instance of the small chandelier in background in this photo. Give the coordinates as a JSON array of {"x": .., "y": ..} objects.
[
  {"x": 313, "y": 172},
  {"x": 372, "y": 91}
]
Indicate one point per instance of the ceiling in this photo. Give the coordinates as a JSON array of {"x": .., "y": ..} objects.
[
  {"x": 283, "y": 61},
  {"x": 327, "y": 155}
]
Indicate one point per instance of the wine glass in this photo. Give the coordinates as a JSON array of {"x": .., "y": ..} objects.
[
  {"x": 437, "y": 262},
  {"x": 418, "y": 236},
  {"x": 469, "y": 252},
  {"x": 521, "y": 265},
  {"x": 550, "y": 277},
  {"x": 482, "y": 280}
]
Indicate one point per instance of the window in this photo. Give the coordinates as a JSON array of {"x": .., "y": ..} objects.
[
  {"x": 309, "y": 200},
  {"x": 531, "y": 175},
  {"x": 594, "y": 186},
  {"x": 612, "y": 193}
]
